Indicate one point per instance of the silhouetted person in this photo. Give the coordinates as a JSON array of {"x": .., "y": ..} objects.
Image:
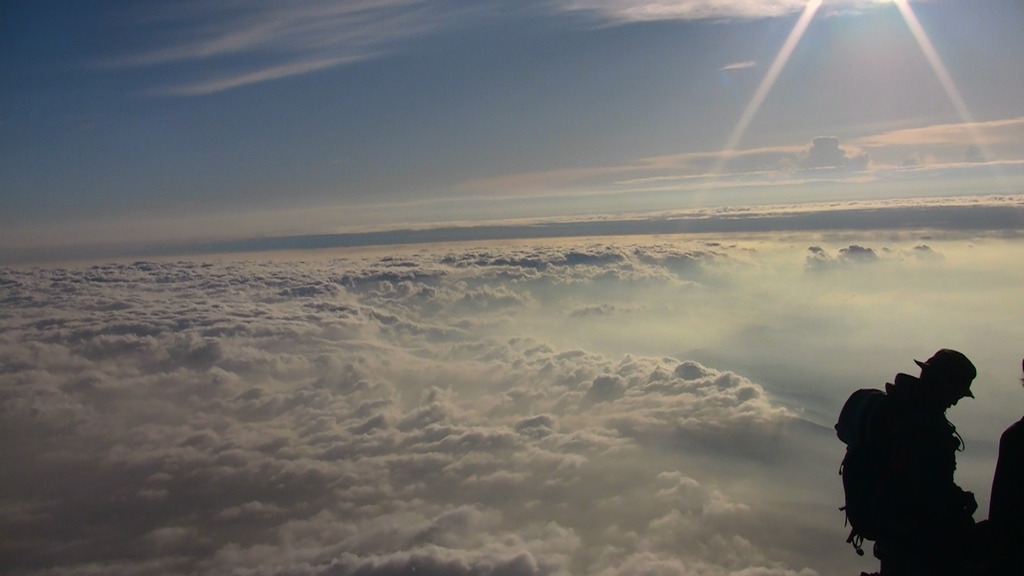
[
  {"x": 928, "y": 518},
  {"x": 1006, "y": 507}
]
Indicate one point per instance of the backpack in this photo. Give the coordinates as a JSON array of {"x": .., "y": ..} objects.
[{"x": 863, "y": 467}]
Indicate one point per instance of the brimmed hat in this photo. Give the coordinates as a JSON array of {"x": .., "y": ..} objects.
[{"x": 953, "y": 363}]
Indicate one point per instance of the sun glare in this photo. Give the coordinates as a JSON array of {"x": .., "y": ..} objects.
[{"x": 796, "y": 34}]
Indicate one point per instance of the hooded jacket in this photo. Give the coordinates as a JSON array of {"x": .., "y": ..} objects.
[{"x": 920, "y": 493}]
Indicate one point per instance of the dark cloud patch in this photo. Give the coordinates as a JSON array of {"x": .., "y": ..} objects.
[
  {"x": 818, "y": 259},
  {"x": 604, "y": 388},
  {"x": 974, "y": 154},
  {"x": 925, "y": 252},
  {"x": 858, "y": 254},
  {"x": 689, "y": 264},
  {"x": 593, "y": 310},
  {"x": 826, "y": 153}
]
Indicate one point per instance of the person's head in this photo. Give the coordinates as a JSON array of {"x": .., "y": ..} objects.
[{"x": 950, "y": 373}]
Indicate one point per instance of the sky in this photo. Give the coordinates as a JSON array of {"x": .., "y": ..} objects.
[
  {"x": 559, "y": 287},
  {"x": 134, "y": 123}
]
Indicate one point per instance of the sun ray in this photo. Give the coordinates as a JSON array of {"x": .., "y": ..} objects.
[
  {"x": 942, "y": 74},
  {"x": 766, "y": 84},
  {"x": 933, "y": 60}
]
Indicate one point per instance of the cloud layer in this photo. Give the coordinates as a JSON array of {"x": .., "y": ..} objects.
[
  {"x": 352, "y": 418},
  {"x": 428, "y": 411}
]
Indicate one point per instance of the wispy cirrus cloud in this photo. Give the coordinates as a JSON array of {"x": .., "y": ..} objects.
[
  {"x": 227, "y": 82},
  {"x": 993, "y": 141},
  {"x": 218, "y": 46},
  {"x": 1006, "y": 130},
  {"x": 939, "y": 145},
  {"x": 647, "y": 10},
  {"x": 739, "y": 65},
  {"x": 241, "y": 43}
]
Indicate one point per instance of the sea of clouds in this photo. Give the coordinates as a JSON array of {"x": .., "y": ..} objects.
[{"x": 613, "y": 407}]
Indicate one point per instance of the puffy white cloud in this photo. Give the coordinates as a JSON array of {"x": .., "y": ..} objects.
[{"x": 376, "y": 415}]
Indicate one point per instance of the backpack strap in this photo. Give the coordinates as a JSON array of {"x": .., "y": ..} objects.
[{"x": 856, "y": 540}]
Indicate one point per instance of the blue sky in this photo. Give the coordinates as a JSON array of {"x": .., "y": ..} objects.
[{"x": 145, "y": 121}]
